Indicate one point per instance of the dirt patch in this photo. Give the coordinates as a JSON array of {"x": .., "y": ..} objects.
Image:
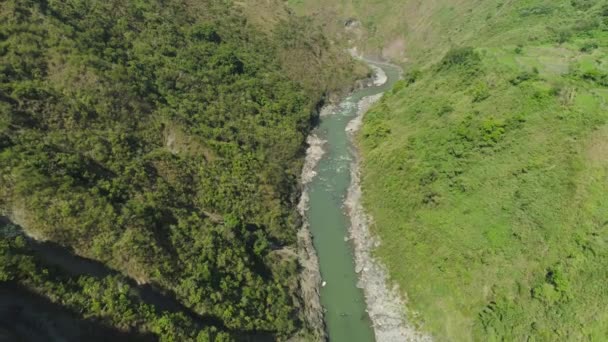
[
  {"x": 395, "y": 50},
  {"x": 178, "y": 141}
]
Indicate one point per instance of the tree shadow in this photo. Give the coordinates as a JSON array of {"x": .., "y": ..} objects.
[
  {"x": 26, "y": 316},
  {"x": 64, "y": 259}
]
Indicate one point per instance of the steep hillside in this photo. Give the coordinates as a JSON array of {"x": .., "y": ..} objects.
[
  {"x": 163, "y": 140},
  {"x": 485, "y": 169},
  {"x": 305, "y": 51}
]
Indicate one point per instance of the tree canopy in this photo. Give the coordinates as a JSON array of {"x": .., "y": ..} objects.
[{"x": 163, "y": 139}]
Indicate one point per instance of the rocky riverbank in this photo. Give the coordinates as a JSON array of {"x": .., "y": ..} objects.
[
  {"x": 310, "y": 276},
  {"x": 384, "y": 304}
]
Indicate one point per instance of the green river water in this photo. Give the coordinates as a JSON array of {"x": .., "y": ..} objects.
[{"x": 345, "y": 316}]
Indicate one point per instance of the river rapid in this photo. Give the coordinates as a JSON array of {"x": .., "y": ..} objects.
[{"x": 357, "y": 304}]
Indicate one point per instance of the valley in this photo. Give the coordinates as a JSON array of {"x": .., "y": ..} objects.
[{"x": 218, "y": 170}]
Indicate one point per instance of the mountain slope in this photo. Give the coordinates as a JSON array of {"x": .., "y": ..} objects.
[
  {"x": 163, "y": 139},
  {"x": 485, "y": 169}
]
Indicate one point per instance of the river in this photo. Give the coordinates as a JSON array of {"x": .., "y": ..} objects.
[
  {"x": 350, "y": 290},
  {"x": 345, "y": 314}
]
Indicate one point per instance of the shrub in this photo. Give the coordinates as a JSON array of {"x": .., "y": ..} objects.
[
  {"x": 445, "y": 109},
  {"x": 582, "y": 5},
  {"x": 555, "y": 288},
  {"x": 429, "y": 177},
  {"x": 430, "y": 198},
  {"x": 399, "y": 85},
  {"x": 596, "y": 76},
  {"x": 412, "y": 76},
  {"x": 525, "y": 76},
  {"x": 563, "y": 35},
  {"x": 465, "y": 57},
  {"x": 604, "y": 13},
  {"x": 493, "y": 131},
  {"x": 375, "y": 131},
  {"x": 589, "y": 46},
  {"x": 536, "y": 10},
  {"x": 480, "y": 92},
  {"x": 205, "y": 33},
  {"x": 585, "y": 25}
]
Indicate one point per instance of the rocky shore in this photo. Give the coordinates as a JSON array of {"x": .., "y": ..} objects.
[
  {"x": 384, "y": 304},
  {"x": 310, "y": 276}
]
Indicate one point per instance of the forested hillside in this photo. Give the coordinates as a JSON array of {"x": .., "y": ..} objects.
[
  {"x": 163, "y": 139},
  {"x": 486, "y": 168}
]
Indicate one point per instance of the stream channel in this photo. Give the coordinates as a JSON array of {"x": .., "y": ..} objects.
[{"x": 345, "y": 314}]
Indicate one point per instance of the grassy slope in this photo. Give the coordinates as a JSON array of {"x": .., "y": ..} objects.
[{"x": 487, "y": 177}]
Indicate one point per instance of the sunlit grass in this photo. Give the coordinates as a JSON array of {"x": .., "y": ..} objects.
[
  {"x": 486, "y": 181},
  {"x": 492, "y": 211}
]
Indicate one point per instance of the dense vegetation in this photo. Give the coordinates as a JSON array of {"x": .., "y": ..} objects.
[
  {"x": 486, "y": 168},
  {"x": 110, "y": 300},
  {"x": 164, "y": 139}
]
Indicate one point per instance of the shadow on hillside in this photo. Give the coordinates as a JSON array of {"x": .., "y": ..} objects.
[
  {"x": 25, "y": 316},
  {"x": 71, "y": 264}
]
